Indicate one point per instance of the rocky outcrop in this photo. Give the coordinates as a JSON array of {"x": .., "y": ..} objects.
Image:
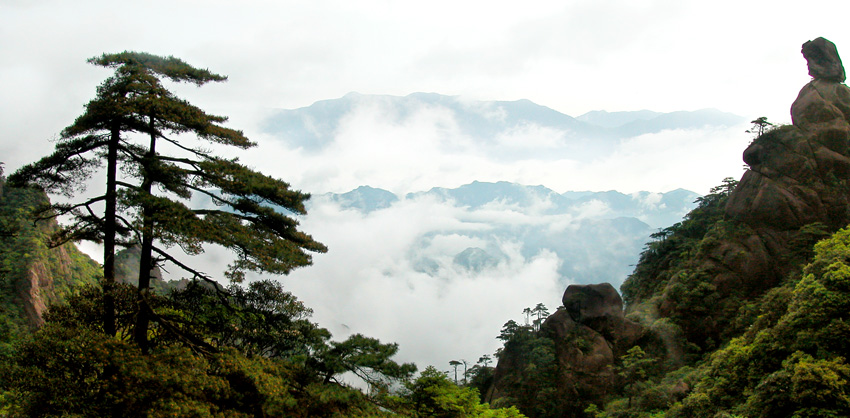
[
  {"x": 823, "y": 60},
  {"x": 38, "y": 288},
  {"x": 589, "y": 334},
  {"x": 600, "y": 308},
  {"x": 798, "y": 176}
]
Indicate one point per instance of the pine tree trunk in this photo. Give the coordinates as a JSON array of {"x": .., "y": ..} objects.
[
  {"x": 146, "y": 256},
  {"x": 109, "y": 232}
]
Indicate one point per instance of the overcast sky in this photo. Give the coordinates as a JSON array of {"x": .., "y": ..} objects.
[
  {"x": 573, "y": 56},
  {"x": 737, "y": 56}
]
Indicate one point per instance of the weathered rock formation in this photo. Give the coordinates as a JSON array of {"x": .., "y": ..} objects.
[
  {"x": 589, "y": 334},
  {"x": 798, "y": 177},
  {"x": 42, "y": 283},
  {"x": 823, "y": 60},
  {"x": 798, "y": 173},
  {"x": 600, "y": 308}
]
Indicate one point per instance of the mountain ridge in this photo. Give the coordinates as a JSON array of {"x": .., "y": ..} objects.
[
  {"x": 367, "y": 199},
  {"x": 315, "y": 126}
]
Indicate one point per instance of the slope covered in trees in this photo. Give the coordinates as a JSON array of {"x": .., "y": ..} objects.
[
  {"x": 738, "y": 312},
  {"x": 32, "y": 274},
  {"x": 702, "y": 351}
]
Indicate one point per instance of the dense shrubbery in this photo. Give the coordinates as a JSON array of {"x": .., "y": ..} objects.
[
  {"x": 782, "y": 354},
  {"x": 533, "y": 389},
  {"x": 793, "y": 361},
  {"x": 242, "y": 355},
  {"x": 248, "y": 352},
  {"x": 673, "y": 246}
]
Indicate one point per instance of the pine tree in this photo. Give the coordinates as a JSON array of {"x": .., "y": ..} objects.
[{"x": 245, "y": 219}]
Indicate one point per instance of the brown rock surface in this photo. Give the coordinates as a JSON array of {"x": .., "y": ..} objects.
[
  {"x": 35, "y": 275},
  {"x": 799, "y": 174},
  {"x": 600, "y": 308},
  {"x": 589, "y": 335},
  {"x": 823, "y": 60},
  {"x": 592, "y": 301}
]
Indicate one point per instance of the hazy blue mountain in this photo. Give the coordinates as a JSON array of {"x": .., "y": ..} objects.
[
  {"x": 314, "y": 126},
  {"x": 597, "y": 236},
  {"x": 477, "y": 194},
  {"x": 678, "y": 120},
  {"x": 575, "y": 195},
  {"x": 475, "y": 259},
  {"x": 486, "y": 119},
  {"x": 610, "y": 120},
  {"x": 658, "y": 210},
  {"x": 591, "y": 135},
  {"x": 365, "y": 198}
]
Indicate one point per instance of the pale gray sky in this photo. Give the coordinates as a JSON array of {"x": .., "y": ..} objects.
[{"x": 573, "y": 56}]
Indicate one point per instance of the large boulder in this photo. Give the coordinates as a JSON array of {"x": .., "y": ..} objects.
[
  {"x": 589, "y": 335},
  {"x": 823, "y": 60},
  {"x": 600, "y": 308},
  {"x": 592, "y": 301}
]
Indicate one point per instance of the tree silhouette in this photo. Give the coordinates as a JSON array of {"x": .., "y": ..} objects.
[
  {"x": 455, "y": 364},
  {"x": 759, "y": 126}
]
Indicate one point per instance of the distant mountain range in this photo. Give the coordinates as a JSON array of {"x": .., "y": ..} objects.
[
  {"x": 315, "y": 126},
  {"x": 657, "y": 210},
  {"x": 597, "y": 236}
]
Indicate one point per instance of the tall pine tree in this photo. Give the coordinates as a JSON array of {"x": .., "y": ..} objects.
[{"x": 150, "y": 205}]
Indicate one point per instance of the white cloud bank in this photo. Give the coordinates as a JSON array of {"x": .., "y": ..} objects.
[
  {"x": 426, "y": 148},
  {"x": 368, "y": 282}
]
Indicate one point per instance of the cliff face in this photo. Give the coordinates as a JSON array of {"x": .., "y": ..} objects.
[
  {"x": 39, "y": 286},
  {"x": 32, "y": 275}
]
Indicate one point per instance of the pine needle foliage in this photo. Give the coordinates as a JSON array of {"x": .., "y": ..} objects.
[{"x": 149, "y": 201}]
